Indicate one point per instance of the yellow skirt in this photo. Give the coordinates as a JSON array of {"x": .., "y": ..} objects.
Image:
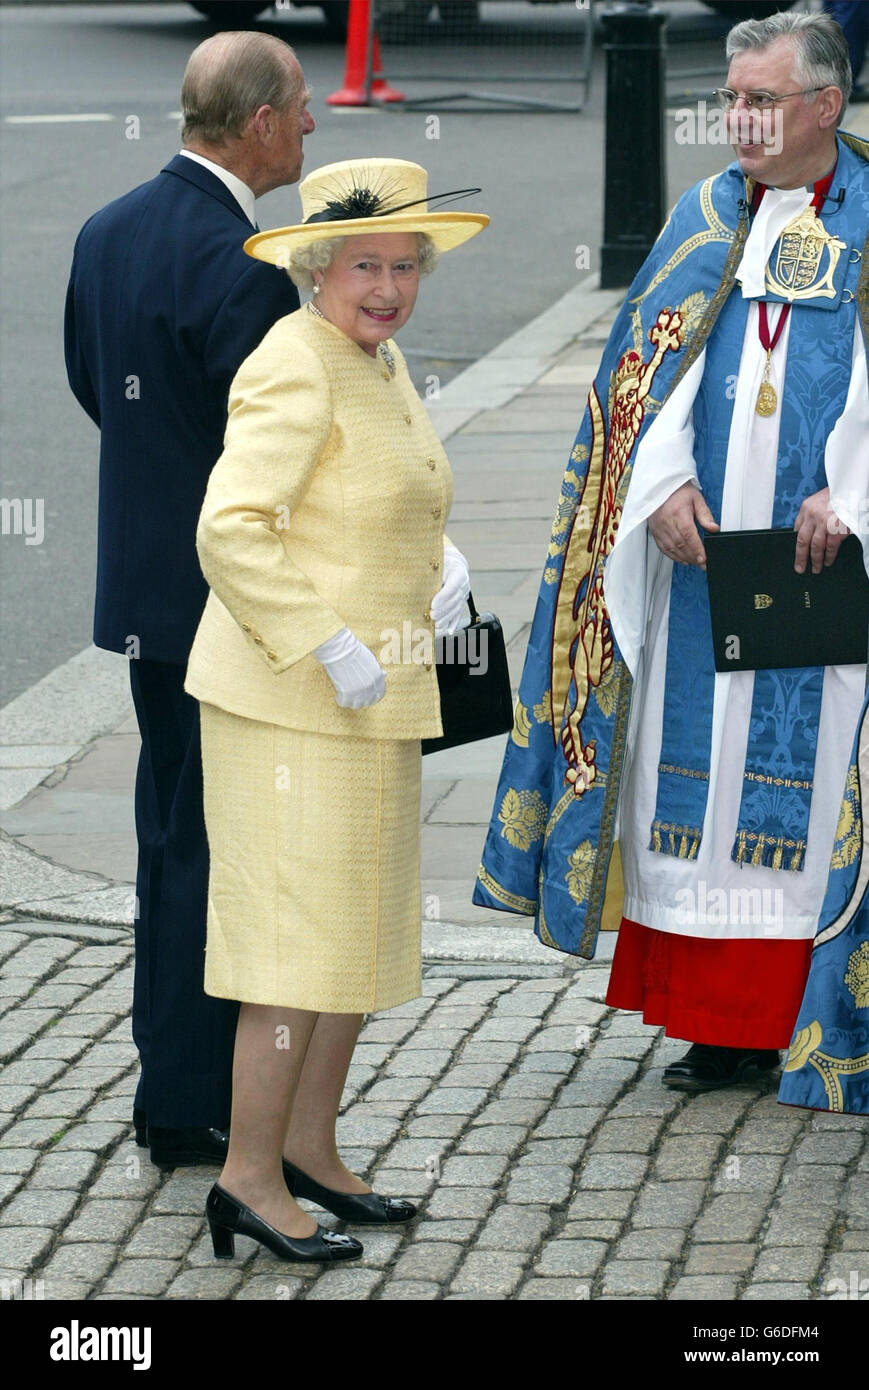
[{"x": 314, "y": 886}]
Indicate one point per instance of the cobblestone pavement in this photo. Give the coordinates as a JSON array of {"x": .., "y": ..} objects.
[{"x": 527, "y": 1118}]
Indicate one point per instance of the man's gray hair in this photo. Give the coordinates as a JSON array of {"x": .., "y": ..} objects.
[
  {"x": 317, "y": 255},
  {"x": 820, "y": 51},
  {"x": 229, "y": 77}
]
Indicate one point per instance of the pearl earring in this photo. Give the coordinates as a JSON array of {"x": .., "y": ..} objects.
[{"x": 316, "y": 289}]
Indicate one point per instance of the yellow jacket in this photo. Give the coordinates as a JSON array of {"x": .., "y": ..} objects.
[{"x": 325, "y": 510}]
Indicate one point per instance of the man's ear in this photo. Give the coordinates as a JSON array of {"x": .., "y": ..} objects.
[
  {"x": 830, "y": 104},
  {"x": 262, "y": 122}
]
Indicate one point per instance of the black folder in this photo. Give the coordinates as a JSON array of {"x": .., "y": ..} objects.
[{"x": 765, "y": 615}]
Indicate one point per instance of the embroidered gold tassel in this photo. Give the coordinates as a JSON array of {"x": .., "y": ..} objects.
[
  {"x": 757, "y": 857},
  {"x": 656, "y": 840},
  {"x": 777, "y": 857}
]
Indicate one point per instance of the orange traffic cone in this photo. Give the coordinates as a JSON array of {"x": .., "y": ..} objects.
[{"x": 356, "y": 90}]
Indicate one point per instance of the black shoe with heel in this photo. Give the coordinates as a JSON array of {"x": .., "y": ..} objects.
[
  {"x": 359, "y": 1208},
  {"x": 228, "y": 1217}
]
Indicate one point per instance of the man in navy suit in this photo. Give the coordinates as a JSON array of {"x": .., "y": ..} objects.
[{"x": 162, "y": 308}]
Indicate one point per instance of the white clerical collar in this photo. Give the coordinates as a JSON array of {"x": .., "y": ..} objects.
[
  {"x": 243, "y": 195},
  {"x": 778, "y": 207}
]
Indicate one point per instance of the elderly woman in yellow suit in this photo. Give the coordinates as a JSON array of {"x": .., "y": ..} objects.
[{"x": 321, "y": 535}]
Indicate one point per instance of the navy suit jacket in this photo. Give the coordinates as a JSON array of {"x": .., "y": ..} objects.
[{"x": 163, "y": 306}]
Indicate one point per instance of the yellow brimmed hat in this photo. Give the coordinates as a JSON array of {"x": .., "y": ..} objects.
[{"x": 362, "y": 195}]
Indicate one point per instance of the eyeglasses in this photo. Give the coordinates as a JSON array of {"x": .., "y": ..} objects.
[{"x": 756, "y": 101}]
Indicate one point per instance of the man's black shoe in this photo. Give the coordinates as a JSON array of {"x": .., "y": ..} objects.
[
  {"x": 706, "y": 1068},
  {"x": 180, "y": 1148}
]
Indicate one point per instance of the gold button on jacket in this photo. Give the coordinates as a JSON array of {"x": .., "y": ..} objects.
[{"x": 323, "y": 511}]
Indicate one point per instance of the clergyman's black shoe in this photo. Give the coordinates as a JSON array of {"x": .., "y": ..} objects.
[
  {"x": 228, "y": 1217},
  {"x": 359, "y": 1208},
  {"x": 707, "y": 1068},
  {"x": 180, "y": 1148}
]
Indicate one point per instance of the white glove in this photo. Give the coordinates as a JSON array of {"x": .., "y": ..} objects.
[
  {"x": 353, "y": 669},
  {"x": 450, "y": 604}
]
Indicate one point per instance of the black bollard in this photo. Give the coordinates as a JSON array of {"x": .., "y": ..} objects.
[{"x": 635, "y": 177}]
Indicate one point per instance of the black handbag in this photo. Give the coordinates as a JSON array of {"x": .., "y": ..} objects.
[{"x": 474, "y": 682}]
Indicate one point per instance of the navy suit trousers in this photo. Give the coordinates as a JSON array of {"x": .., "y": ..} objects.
[{"x": 184, "y": 1037}]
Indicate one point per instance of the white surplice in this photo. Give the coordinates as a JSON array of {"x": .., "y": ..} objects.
[{"x": 711, "y": 896}]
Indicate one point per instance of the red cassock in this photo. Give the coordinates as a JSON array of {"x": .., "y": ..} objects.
[{"x": 737, "y": 993}]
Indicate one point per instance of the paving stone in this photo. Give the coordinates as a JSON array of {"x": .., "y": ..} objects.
[
  {"x": 766, "y": 1136},
  {"x": 414, "y": 1153},
  {"x": 411, "y": 1289},
  {"x": 485, "y": 1074},
  {"x": 103, "y": 1219},
  {"x": 420, "y": 1062},
  {"x": 716, "y": 1288},
  {"x": 551, "y": 1290},
  {"x": 507, "y": 1029},
  {"x": 749, "y": 1172},
  {"x": 380, "y": 1246},
  {"x": 687, "y": 1156},
  {"x": 265, "y": 1288},
  {"x": 29, "y": 1134},
  {"x": 372, "y": 1054},
  {"x": 451, "y": 1100},
  {"x": 548, "y": 1063},
  {"x": 473, "y": 1170},
  {"x": 518, "y": 1111},
  {"x": 597, "y": 1083},
  {"x": 62, "y": 1105},
  {"x": 435, "y": 1038},
  {"x": 163, "y": 1237},
  {"x": 550, "y": 1185},
  {"x": 591, "y": 1230},
  {"x": 88, "y": 1134},
  {"x": 855, "y": 1240},
  {"x": 181, "y": 1195},
  {"x": 359, "y": 1125},
  {"x": 846, "y": 1264},
  {"x": 670, "y": 1204},
  {"x": 475, "y": 1051},
  {"x": 18, "y": 1160},
  {"x": 611, "y": 1205},
  {"x": 561, "y": 1038},
  {"x": 530, "y": 1085},
  {"x": 69, "y": 1168},
  {"x": 581, "y": 1258},
  {"x": 514, "y": 1228},
  {"x": 69, "y": 1290},
  {"x": 776, "y": 1293},
  {"x": 720, "y": 1259},
  {"x": 436, "y": 1126},
  {"x": 344, "y": 1284},
  {"x": 461, "y": 1202},
  {"x": 633, "y": 1047},
  {"x": 488, "y": 1272},
  {"x": 46, "y": 1206},
  {"x": 651, "y": 1244},
  {"x": 788, "y": 1264},
  {"x": 635, "y": 1277},
  {"x": 567, "y": 1151},
  {"x": 569, "y": 1122},
  {"x": 78, "y": 1025},
  {"x": 799, "y": 1228},
  {"x": 22, "y": 1246},
  {"x": 408, "y": 1182},
  {"x": 731, "y": 1218},
  {"x": 627, "y": 1136},
  {"x": 643, "y": 1101},
  {"x": 458, "y": 1231},
  {"x": 601, "y": 1171},
  {"x": 208, "y": 1282},
  {"x": 150, "y": 1277},
  {"x": 428, "y": 1260},
  {"x": 494, "y": 1139}
]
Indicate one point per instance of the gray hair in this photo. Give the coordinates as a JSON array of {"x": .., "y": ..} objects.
[
  {"x": 230, "y": 76},
  {"x": 317, "y": 255},
  {"x": 820, "y": 51}
]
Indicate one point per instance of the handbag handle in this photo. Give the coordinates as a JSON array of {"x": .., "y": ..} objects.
[{"x": 475, "y": 617}]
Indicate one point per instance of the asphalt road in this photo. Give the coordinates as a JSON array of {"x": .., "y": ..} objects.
[{"x": 541, "y": 174}]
